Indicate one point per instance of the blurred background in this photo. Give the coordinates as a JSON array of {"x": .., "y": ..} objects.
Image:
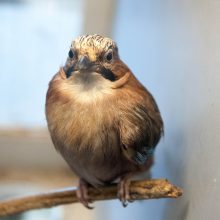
[{"x": 173, "y": 48}]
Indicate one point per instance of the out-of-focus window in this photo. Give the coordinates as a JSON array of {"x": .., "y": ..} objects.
[
  {"x": 34, "y": 41},
  {"x": 35, "y": 36}
]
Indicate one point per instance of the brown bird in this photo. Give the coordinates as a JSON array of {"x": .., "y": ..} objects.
[{"x": 101, "y": 119}]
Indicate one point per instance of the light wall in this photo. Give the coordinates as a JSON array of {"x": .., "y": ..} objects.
[{"x": 174, "y": 49}]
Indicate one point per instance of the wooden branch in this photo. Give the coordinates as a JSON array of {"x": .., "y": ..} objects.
[{"x": 139, "y": 190}]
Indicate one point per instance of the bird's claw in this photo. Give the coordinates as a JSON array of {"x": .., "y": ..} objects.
[
  {"x": 82, "y": 194},
  {"x": 124, "y": 192}
]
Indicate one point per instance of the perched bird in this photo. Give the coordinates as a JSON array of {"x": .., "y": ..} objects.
[{"x": 102, "y": 120}]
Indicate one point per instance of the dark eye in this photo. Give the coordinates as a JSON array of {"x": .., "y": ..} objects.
[
  {"x": 71, "y": 54},
  {"x": 109, "y": 56}
]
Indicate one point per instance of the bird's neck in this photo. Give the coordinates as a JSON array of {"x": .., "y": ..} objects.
[{"x": 89, "y": 87}]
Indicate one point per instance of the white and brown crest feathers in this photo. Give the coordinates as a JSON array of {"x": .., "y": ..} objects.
[
  {"x": 92, "y": 45},
  {"x": 93, "y": 41}
]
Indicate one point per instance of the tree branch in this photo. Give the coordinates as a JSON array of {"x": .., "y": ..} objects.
[{"x": 139, "y": 190}]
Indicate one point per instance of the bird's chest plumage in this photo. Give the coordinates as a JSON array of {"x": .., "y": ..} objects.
[
  {"x": 93, "y": 147},
  {"x": 88, "y": 135}
]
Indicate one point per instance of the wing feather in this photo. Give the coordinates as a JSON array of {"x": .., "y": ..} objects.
[{"x": 140, "y": 130}]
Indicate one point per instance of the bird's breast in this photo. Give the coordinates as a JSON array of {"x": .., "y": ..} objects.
[
  {"x": 84, "y": 130},
  {"x": 81, "y": 111}
]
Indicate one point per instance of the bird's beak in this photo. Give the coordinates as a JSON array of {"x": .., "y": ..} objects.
[{"x": 84, "y": 63}]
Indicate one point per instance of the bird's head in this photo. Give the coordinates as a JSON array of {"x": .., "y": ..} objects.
[{"x": 94, "y": 55}]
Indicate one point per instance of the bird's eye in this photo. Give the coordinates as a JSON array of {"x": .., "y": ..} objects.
[
  {"x": 71, "y": 54},
  {"x": 109, "y": 56}
]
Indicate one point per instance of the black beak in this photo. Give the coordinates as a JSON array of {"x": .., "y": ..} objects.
[{"x": 83, "y": 63}]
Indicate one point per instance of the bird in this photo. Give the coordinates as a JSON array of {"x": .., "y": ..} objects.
[{"x": 101, "y": 119}]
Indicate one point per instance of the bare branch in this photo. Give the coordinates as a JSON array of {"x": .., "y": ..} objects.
[{"x": 139, "y": 190}]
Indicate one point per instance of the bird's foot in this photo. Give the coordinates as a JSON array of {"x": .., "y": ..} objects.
[
  {"x": 82, "y": 194},
  {"x": 123, "y": 190}
]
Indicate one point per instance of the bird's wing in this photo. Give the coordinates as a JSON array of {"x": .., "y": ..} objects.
[{"x": 140, "y": 130}]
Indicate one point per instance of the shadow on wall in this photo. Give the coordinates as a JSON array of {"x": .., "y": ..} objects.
[{"x": 176, "y": 171}]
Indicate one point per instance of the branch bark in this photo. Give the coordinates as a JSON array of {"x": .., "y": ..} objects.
[{"x": 139, "y": 190}]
